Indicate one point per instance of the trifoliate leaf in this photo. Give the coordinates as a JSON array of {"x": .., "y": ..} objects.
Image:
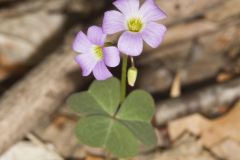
[{"x": 121, "y": 132}]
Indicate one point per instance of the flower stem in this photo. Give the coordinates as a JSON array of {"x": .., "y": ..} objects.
[{"x": 124, "y": 77}]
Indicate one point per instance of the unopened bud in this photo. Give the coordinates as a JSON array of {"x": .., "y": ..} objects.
[
  {"x": 132, "y": 76},
  {"x": 108, "y": 44}
]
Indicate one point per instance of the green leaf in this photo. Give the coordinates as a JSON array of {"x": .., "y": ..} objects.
[
  {"x": 84, "y": 104},
  {"x": 107, "y": 94},
  {"x": 138, "y": 106},
  {"x": 144, "y": 132},
  {"x": 123, "y": 134},
  {"x": 101, "y": 131}
]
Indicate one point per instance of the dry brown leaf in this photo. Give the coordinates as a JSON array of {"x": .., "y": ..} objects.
[
  {"x": 223, "y": 77},
  {"x": 7, "y": 69},
  {"x": 93, "y": 158},
  {"x": 187, "y": 147},
  {"x": 228, "y": 149},
  {"x": 193, "y": 124},
  {"x": 226, "y": 127},
  {"x": 3, "y": 74},
  {"x": 211, "y": 132}
]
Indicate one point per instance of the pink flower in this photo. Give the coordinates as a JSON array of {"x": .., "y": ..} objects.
[
  {"x": 137, "y": 23},
  {"x": 95, "y": 57}
]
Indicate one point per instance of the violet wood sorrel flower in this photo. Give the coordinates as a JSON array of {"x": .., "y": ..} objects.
[
  {"x": 94, "y": 56},
  {"x": 138, "y": 24}
]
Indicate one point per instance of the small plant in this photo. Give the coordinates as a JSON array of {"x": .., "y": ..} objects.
[{"x": 108, "y": 118}]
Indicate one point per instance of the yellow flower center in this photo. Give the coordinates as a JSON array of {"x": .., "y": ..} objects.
[
  {"x": 98, "y": 52},
  {"x": 135, "y": 25}
]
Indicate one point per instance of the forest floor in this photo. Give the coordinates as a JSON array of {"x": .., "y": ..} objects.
[{"x": 194, "y": 77}]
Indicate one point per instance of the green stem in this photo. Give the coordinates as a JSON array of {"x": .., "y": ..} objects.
[{"x": 124, "y": 77}]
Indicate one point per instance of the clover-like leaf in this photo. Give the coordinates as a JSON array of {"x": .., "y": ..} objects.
[
  {"x": 100, "y": 131},
  {"x": 102, "y": 125}
]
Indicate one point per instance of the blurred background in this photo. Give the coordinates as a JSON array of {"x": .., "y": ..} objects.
[{"x": 194, "y": 77}]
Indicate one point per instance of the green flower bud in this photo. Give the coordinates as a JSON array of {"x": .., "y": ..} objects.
[
  {"x": 108, "y": 44},
  {"x": 132, "y": 76}
]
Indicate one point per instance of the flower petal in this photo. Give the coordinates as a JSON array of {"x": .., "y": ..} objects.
[
  {"x": 130, "y": 43},
  {"x": 87, "y": 62},
  {"x": 81, "y": 43},
  {"x": 127, "y": 7},
  {"x": 111, "y": 56},
  {"x": 151, "y": 12},
  {"x": 153, "y": 34},
  {"x": 96, "y": 36},
  {"x": 101, "y": 72},
  {"x": 113, "y": 22}
]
